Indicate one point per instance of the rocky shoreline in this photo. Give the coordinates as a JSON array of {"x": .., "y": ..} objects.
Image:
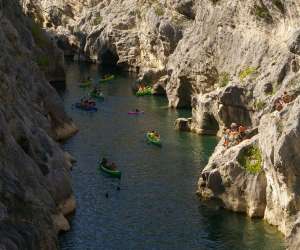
[
  {"x": 35, "y": 184},
  {"x": 227, "y": 61}
]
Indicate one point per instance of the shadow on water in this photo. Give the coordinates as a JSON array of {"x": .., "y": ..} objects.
[{"x": 156, "y": 207}]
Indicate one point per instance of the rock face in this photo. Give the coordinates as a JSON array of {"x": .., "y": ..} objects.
[
  {"x": 227, "y": 61},
  {"x": 271, "y": 193},
  {"x": 226, "y": 179},
  {"x": 35, "y": 187}
]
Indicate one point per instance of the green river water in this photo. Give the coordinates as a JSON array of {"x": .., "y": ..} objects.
[{"x": 156, "y": 207}]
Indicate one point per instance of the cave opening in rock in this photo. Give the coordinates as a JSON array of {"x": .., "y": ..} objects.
[
  {"x": 209, "y": 124},
  {"x": 108, "y": 58},
  {"x": 184, "y": 94}
]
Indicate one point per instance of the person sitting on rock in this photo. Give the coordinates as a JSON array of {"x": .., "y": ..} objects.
[
  {"x": 278, "y": 104},
  {"x": 226, "y": 137},
  {"x": 286, "y": 98},
  {"x": 234, "y": 134},
  {"x": 242, "y": 132},
  {"x": 233, "y": 127}
]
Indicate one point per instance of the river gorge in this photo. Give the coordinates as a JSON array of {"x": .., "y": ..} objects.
[
  {"x": 157, "y": 207},
  {"x": 210, "y": 64}
]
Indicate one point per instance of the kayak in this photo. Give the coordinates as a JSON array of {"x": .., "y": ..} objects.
[
  {"x": 135, "y": 112},
  {"x": 153, "y": 140},
  {"x": 112, "y": 173},
  {"x": 107, "y": 78},
  {"x": 86, "y": 84},
  {"x": 90, "y": 108},
  {"x": 96, "y": 96},
  {"x": 146, "y": 91}
]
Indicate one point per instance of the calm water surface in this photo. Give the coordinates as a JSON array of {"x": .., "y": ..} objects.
[{"x": 156, "y": 207}]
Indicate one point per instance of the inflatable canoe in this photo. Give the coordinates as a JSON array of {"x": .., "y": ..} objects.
[
  {"x": 111, "y": 77},
  {"x": 112, "y": 173},
  {"x": 145, "y": 91},
  {"x": 96, "y": 96},
  {"x": 86, "y": 108},
  {"x": 152, "y": 139},
  {"x": 86, "y": 84},
  {"x": 135, "y": 112}
]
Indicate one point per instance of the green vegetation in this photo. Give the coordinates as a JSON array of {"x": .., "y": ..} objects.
[
  {"x": 280, "y": 126},
  {"x": 138, "y": 13},
  {"x": 259, "y": 105},
  {"x": 251, "y": 159},
  {"x": 223, "y": 80},
  {"x": 178, "y": 20},
  {"x": 272, "y": 92},
  {"x": 43, "y": 61},
  {"x": 159, "y": 11},
  {"x": 214, "y": 1},
  {"x": 262, "y": 12},
  {"x": 39, "y": 37},
  {"x": 279, "y": 5},
  {"x": 97, "y": 20},
  {"x": 246, "y": 72}
]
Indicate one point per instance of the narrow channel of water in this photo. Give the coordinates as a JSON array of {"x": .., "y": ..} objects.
[{"x": 156, "y": 207}]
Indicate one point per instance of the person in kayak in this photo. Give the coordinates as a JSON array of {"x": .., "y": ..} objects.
[
  {"x": 151, "y": 134},
  {"x": 137, "y": 110},
  {"x": 112, "y": 166},
  {"x": 104, "y": 161},
  {"x": 156, "y": 134}
]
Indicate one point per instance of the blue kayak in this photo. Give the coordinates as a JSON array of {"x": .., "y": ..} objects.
[{"x": 86, "y": 108}]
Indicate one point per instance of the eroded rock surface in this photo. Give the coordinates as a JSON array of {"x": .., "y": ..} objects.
[{"x": 35, "y": 185}]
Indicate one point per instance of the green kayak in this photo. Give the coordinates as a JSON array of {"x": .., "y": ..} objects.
[
  {"x": 107, "y": 78},
  {"x": 146, "y": 91},
  {"x": 86, "y": 84},
  {"x": 112, "y": 173},
  {"x": 96, "y": 96},
  {"x": 153, "y": 140}
]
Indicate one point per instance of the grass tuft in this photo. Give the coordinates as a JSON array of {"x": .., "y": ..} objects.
[
  {"x": 262, "y": 12},
  {"x": 246, "y": 72},
  {"x": 223, "y": 80},
  {"x": 259, "y": 105}
]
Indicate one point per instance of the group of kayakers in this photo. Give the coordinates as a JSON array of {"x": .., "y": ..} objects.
[
  {"x": 87, "y": 103},
  {"x": 141, "y": 87},
  {"x": 234, "y": 135},
  {"x": 280, "y": 102}
]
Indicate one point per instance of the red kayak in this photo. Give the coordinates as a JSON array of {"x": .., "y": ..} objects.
[{"x": 135, "y": 112}]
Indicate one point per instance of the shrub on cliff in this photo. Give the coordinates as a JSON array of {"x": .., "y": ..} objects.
[
  {"x": 251, "y": 159},
  {"x": 98, "y": 19}
]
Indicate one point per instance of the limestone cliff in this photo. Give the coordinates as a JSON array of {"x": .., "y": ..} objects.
[
  {"x": 228, "y": 60},
  {"x": 35, "y": 188}
]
